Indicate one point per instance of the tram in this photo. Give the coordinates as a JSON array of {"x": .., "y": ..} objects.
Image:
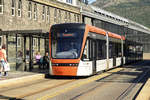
[{"x": 82, "y": 50}]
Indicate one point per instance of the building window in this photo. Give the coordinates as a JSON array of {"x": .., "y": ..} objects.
[
  {"x": 18, "y": 41},
  {"x": 19, "y": 8},
  {"x": 13, "y": 7},
  {"x": 69, "y": 1},
  {"x": 48, "y": 14},
  {"x": 55, "y": 15},
  {"x": 59, "y": 14},
  {"x": 65, "y": 17},
  {"x": 78, "y": 18},
  {"x": 30, "y": 10},
  {"x": 69, "y": 17},
  {"x": 35, "y": 12},
  {"x": 43, "y": 13},
  {"x": 1, "y": 6},
  {"x": 74, "y": 17},
  {"x": 35, "y": 43}
]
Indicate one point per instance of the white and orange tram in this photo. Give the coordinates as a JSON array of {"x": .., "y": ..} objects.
[{"x": 83, "y": 50}]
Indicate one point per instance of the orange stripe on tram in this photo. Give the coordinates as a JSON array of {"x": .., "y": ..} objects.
[{"x": 65, "y": 70}]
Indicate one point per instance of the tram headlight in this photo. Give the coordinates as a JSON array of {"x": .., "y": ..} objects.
[
  {"x": 65, "y": 64},
  {"x": 55, "y": 64}
]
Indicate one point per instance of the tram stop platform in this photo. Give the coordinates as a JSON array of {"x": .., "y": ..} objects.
[
  {"x": 145, "y": 92},
  {"x": 16, "y": 77}
]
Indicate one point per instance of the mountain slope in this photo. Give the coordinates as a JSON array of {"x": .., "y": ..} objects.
[{"x": 136, "y": 10}]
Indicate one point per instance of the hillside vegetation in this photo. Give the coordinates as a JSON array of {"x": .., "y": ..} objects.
[{"x": 136, "y": 10}]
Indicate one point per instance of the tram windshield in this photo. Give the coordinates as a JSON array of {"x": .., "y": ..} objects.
[{"x": 66, "y": 42}]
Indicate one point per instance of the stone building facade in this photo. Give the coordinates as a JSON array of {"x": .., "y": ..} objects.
[
  {"x": 25, "y": 15},
  {"x": 36, "y": 14}
]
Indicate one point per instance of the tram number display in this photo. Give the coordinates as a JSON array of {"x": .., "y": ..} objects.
[
  {"x": 61, "y": 35},
  {"x": 68, "y": 35}
]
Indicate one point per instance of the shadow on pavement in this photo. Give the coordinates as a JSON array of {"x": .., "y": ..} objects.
[
  {"x": 8, "y": 98},
  {"x": 65, "y": 77}
]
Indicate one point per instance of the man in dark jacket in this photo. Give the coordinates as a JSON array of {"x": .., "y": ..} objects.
[{"x": 46, "y": 61}]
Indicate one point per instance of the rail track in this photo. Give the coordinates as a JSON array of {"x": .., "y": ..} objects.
[{"x": 128, "y": 79}]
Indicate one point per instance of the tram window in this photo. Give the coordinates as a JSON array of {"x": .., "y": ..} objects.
[
  {"x": 101, "y": 49},
  {"x": 85, "y": 55},
  {"x": 116, "y": 49},
  {"x": 54, "y": 44},
  {"x": 66, "y": 43},
  {"x": 113, "y": 49},
  {"x": 110, "y": 50},
  {"x": 119, "y": 50}
]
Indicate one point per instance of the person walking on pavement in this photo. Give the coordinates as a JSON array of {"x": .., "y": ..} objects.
[{"x": 3, "y": 60}]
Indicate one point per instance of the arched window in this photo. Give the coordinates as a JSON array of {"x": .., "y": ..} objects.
[
  {"x": 43, "y": 13},
  {"x": 19, "y": 8},
  {"x": 35, "y": 12},
  {"x": 30, "y": 10},
  {"x": 1, "y": 6},
  {"x": 13, "y": 7}
]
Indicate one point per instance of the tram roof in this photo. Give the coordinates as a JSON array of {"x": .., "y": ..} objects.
[
  {"x": 96, "y": 30},
  {"x": 113, "y": 35},
  {"x": 72, "y": 25},
  {"x": 103, "y": 32}
]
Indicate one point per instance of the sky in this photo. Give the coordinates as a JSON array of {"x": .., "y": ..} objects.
[{"x": 90, "y": 1}]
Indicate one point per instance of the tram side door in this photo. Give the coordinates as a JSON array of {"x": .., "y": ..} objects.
[{"x": 93, "y": 52}]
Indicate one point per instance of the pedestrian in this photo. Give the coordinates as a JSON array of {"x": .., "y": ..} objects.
[
  {"x": 37, "y": 58},
  {"x": 46, "y": 61},
  {"x": 3, "y": 60}
]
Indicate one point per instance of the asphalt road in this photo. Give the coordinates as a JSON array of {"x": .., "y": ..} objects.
[{"x": 122, "y": 83}]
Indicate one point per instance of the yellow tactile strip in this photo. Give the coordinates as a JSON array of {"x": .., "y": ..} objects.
[
  {"x": 145, "y": 92},
  {"x": 9, "y": 82}
]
